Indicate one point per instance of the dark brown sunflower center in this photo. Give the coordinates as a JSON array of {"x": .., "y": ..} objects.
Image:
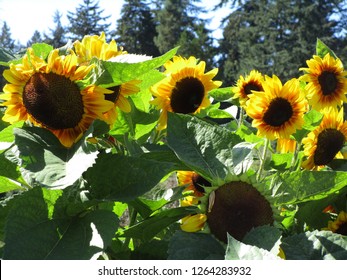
[
  {"x": 330, "y": 141},
  {"x": 251, "y": 86},
  {"x": 342, "y": 229},
  {"x": 328, "y": 82},
  {"x": 113, "y": 97},
  {"x": 237, "y": 208},
  {"x": 279, "y": 112},
  {"x": 199, "y": 181},
  {"x": 187, "y": 95},
  {"x": 53, "y": 100}
]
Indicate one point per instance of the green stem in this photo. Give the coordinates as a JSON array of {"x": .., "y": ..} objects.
[
  {"x": 263, "y": 158},
  {"x": 158, "y": 134},
  {"x": 295, "y": 163},
  {"x": 241, "y": 117},
  {"x": 132, "y": 221}
]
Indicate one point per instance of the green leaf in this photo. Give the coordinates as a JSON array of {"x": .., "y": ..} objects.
[
  {"x": 137, "y": 124},
  {"x": 31, "y": 234},
  {"x": 305, "y": 217},
  {"x": 152, "y": 250},
  {"x": 322, "y": 49},
  {"x": 301, "y": 186},
  {"x": 7, "y": 136},
  {"x": 338, "y": 164},
  {"x": 146, "y": 207},
  {"x": 237, "y": 250},
  {"x": 42, "y": 50},
  {"x": 162, "y": 153},
  {"x": 242, "y": 157},
  {"x": 6, "y": 56},
  {"x": 116, "y": 73},
  {"x": 195, "y": 246},
  {"x": 265, "y": 237},
  {"x": 205, "y": 148},
  {"x": 311, "y": 120},
  {"x": 315, "y": 245},
  {"x": 123, "y": 178},
  {"x": 281, "y": 162},
  {"x": 148, "y": 228},
  {"x": 222, "y": 94},
  {"x": 44, "y": 161},
  {"x": 7, "y": 185},
  {"x": 10, "y": 177}
]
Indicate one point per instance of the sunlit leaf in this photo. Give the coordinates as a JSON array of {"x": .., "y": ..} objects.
[
  {"x": 44, "y": 161},
  {"x": 315, "y": 245},
  {"x": 204, "y": 147},
  {"x": 42, "y": 50},
  {"x": 322, "y": 49},
  {"x": 32, "y": 234},
  {"x": 116, "y": 73},
  {"x": 301, "y": 186},
  {"x": 237, "y": 250}
]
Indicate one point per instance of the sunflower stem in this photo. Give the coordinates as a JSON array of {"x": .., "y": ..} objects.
[
  {"x": 132, "y": 221},
  {"x": 263, "y": 159},
  {"x": 241, "y": 117},
  {"x": 158, "y": 134},
  {"x": 295, "y": 163}
]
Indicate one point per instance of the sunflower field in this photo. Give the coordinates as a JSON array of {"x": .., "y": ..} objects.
[{"x": 110, "y": 155}]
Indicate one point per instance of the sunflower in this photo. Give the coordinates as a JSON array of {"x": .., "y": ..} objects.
[
  {"x": 339, "y": 225},
  {"x": 96, "y": 46},
  {"x": 48, "y": 95},
  {"x": 193, "y": 182},
  {"x": 245, "y": 86},
  {"x": 286, "y": 146},
  {"x": 184, "y": 89},
  {"x": 278, "y": 110},
  {"x": 323, "y": 144},
  {"x": 193, "y": 223},
  {"x": 235, "y": 208},
  {"x": 326, "y": 82}
]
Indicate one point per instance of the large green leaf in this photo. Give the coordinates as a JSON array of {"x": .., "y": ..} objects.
[
  {"x": 44, "y": 161},
  {"x": 31, "y": 234},
  {"x": 195, "y": 246},
  {"x": 124, "y": 178},
  {"x": 301, "y": 186},
  {"x": 116, "y": 73},
  {"x": 151, "y": 226},
  {"x": 237, "y": 250},
  {"x": 315, "y": 245},
  {"x": 266, "y": 237},
  {"x": 204, "y": 147}
]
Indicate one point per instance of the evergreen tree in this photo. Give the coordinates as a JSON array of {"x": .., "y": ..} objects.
[
  {"x": 36, "y": 38},
  {"x": 56, "y": 38},
  {"x": 275, "y": 37},
  {"x": 87, "y": 20},
  {"x": 179, "y": 24},
  {"x": 5, "y": 38},
  {"x": 136, "y": 28}
]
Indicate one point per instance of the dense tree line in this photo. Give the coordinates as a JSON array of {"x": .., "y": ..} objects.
[{"x": 272, "y": 36}]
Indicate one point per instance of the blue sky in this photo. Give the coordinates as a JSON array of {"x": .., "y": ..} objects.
[{"x": 25, "y": 16}]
